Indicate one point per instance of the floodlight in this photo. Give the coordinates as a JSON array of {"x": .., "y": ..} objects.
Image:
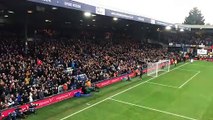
[
  {"x": 115, "y": 19},
  {"x": 29, "y": 11},
  {"x": 48, "y": 21},
  {"x": 168, "y": 27},
  {"x": 181, "y": 30},
  {"x": 54, "y": 8},
  {"x": 6, "y": 16},
  {"x": 10, "y": 11},
  {"x": 87, "y": 14}
]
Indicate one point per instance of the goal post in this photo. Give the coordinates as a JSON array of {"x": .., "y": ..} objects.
[{"x": 153, "y": 69}]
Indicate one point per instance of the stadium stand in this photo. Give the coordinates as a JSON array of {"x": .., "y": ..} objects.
[
  {"x": 44, "y": 71},
  {"x": 61, "y": 59}
]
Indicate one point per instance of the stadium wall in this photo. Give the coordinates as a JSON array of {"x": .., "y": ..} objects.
[
  {"x": 205, "y": 59},
  {"x": 44, "y": 102}
]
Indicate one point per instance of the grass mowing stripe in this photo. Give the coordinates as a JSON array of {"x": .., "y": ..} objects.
[
  {"x": 189, "y": 70},
  {"x": 154, "y": 83},
  {"x": 153, "y": 109},
  {"x": 118, "y": 93},
  {"x": 202, "y": 66},
  {"x": 189, "y": 79}
]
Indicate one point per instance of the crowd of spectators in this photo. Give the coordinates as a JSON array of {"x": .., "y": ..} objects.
[
  {"x": 39, "y": 70},
  {"x": 193, "y": 41},
  {"x": 186, "y": 38}
]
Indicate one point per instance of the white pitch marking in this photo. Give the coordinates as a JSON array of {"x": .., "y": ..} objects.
[
  {"x": 189, "y": 79},
  {"x": 153, "y": 109},
  {"x": 118, "y": 93},
  {"x": 162, "y": 85}
]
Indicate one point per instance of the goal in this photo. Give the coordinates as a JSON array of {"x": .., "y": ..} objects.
[{"x": 153, "y": 69}]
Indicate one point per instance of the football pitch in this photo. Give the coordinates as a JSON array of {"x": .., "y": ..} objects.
[{"x": 184, "y": 93}]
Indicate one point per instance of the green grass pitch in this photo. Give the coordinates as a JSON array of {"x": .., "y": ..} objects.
[{"x": 184, "y": 93}]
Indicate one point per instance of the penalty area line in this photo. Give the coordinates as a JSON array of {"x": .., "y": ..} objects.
[{"x": 189, "y": 80}]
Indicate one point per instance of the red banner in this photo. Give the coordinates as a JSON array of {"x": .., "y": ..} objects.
[
  {"x": 44, "y": 102},
  {"x": 207, "y": 59},
  {"x": 114, "y": 80}
]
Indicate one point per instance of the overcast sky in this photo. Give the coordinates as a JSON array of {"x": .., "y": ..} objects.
[{"x": 173, "y": 11}]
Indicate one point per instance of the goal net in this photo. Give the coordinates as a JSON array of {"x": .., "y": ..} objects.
[{"x": 153, "y": 69}]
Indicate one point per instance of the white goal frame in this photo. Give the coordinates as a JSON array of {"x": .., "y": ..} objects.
[{"x": 153, "y": 69}]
